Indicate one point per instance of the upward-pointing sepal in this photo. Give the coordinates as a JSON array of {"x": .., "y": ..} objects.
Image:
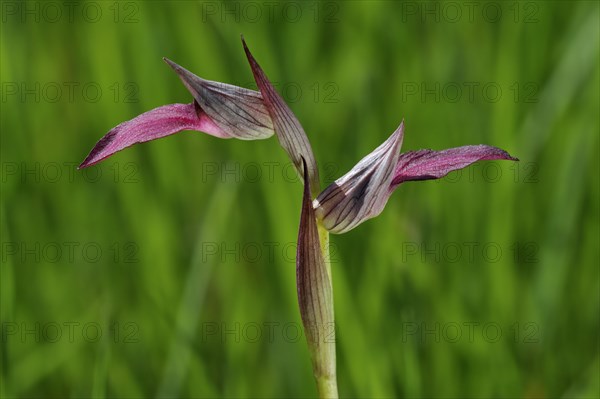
[{"x": 288, "y": 129}]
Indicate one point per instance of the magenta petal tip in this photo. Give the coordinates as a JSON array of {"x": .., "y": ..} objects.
[
  {"x": 429, "y": 165},
  {"x": 154, "y": 124}
]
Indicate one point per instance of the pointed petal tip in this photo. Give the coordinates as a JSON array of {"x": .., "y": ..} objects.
[
  {"x": 97, "y": 153},
  {"x": 500, "y": 154},
  {"x": 253, "y": 63},
  {"x": 247, "y": 51},
  {"x": 400, "y": 130},
  {"x": 175, "y": 66},
  {"x": 397, "y": 137},
  {"x": 90, "y": 161},
  {"x": 84, "y": 164},
  {"x": 188, "y": 78}
]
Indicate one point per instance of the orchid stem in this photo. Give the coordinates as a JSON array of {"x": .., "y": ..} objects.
[
  {"x": 325, "y": 373},
  {"x": 327, "y": 387}
]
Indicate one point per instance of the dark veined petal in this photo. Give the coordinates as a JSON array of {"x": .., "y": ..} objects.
[
  {"x": 239, "y": 112},
  {"x": 429, "y": 164},
  {"x": 290, "y": 133},
  {"x": 151, "y": 125},
  {"x": 315, "y": 294},
  {"x": 363, "y": 192}
]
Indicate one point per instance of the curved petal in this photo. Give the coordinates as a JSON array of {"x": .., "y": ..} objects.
[
  {"x": 363, "y": 192},
  {"x": 429, "y": 164},
  {"x": 151, "y": 125},
  {"x": 290, "y": 133},
  {"x": 239, "y": 112}
]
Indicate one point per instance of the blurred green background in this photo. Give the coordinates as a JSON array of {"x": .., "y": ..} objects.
[{"x": 168, "y": 269}]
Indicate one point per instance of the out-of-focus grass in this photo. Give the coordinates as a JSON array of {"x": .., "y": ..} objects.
[{"x": 484, "y": 284}]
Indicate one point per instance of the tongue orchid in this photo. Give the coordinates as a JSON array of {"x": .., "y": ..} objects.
[{"x": 227, "y": 111}]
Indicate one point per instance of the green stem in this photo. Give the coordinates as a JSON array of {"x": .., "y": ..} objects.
[
  {"x": 327, "y": 387},
  {"x": 325, "y": 373}
]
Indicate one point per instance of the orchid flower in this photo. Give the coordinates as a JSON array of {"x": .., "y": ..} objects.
[
  {"x": 362, "y": 193},
  {"x": 227, "y": 111}
]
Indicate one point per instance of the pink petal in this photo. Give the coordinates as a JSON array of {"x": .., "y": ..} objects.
[
  {"x": 290, "y": 133},
  {"x": 429, "y": 164},
  {"x": 151, "y": 125}
]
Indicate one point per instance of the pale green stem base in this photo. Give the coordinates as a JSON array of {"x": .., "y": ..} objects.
[{"x": 327, "y": 387}]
